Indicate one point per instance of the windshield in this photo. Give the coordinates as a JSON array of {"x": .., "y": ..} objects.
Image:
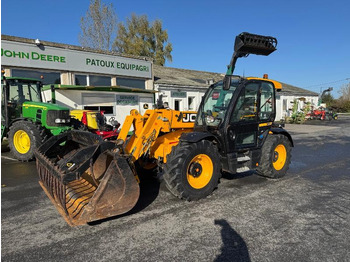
[
  {"x": 215, "y": 104},
  {"x": 24, "y": 91}
]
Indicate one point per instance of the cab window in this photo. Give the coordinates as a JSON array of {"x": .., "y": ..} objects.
[
  {"x": 266, "y": 101},
  {"x": 21, "y": 92},
  {"x": 246, "y": 106}
]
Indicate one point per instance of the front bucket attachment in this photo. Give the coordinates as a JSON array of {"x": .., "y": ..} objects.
[
  {"x": 247, "y": 43},
  {"x": 85, "y": 178}
]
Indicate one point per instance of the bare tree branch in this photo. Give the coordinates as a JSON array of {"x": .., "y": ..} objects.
[{"x": 98, "y": 26}]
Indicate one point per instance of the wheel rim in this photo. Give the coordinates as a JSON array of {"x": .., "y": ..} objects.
[
  {"x": 200, "y": 171},
  {"x": 279, "y": 157},
  {"x": 21, "y": 141}
]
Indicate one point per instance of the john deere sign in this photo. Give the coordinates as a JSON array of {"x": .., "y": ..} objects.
[
  {"x": 46, "y": 57},
  {"x": 33, "y": 56}
]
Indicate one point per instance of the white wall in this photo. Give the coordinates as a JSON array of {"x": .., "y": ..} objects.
[
  {"x": 68, "y": 98},
  {"x": 73, "y": 99},
  {"x": 281, "y": 113},
  {"x": 196, "y": 93}
]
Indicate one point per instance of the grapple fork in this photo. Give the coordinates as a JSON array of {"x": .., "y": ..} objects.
[{"x": 85, "y": 177}]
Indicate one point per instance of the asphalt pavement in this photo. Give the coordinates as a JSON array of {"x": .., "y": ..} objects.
[{"x": 304, "y": 216}]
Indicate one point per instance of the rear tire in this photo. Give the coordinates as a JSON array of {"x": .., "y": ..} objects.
[
  {"x": 24, "y": 137},
  {"x": 275, "y": 157},
  {"x": 192, "y": 170}
]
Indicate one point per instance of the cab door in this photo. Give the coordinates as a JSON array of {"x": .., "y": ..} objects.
[{"x": 243, "y": 126}]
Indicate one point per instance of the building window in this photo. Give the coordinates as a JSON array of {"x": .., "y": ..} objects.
[
  {"x": 178, "y": 104},
  {"x": 49, "y": 77},
  {"x": 81, "y": 80},
  {"x": 284, "y": 105},
  {"x": 191, "y": 103},
  {"x": 95, "y": 80},
  {"x": 128, "y": 82},
  {"x": 107, "y": 110},
  {"x": 99, "y": 101}
]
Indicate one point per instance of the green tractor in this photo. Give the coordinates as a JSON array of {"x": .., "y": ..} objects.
[{"x": 25, "y": 119}]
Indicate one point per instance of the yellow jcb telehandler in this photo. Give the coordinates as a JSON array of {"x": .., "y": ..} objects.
[{"x": 89, "y": 179}]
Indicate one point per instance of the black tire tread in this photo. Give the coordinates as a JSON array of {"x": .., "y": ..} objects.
[
  {"x": 265, "y": 167},
  {"x": 175, "y": 163},
  {"x": 35, "y": 131}
]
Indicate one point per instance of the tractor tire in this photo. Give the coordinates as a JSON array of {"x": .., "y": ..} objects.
[
  {"x": 24, "y": 137},
  {"x": 192, "y": 170},
  {"x": 275, "y": 157}
]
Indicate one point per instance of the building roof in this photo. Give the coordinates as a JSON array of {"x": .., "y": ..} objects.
[
  {"x": 296, "y": 91},
  {"x": 184, "y": 77},
  {"x": 192, "y": 78},
  {"x": 71, "y": 47}
]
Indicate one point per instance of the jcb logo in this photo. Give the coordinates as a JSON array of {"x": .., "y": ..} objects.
[{"x": 189, "y": 118}]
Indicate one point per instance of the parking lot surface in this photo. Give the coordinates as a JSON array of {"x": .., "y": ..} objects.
[{"x": 304, "y": 216}]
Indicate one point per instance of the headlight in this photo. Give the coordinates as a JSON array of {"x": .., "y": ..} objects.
[
  {"x": 209, "y": 119},
  {"x": 61, "y": 121}
]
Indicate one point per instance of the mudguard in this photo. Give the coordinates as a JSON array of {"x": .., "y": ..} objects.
[
  {"x": 194, "y": 137},
  {"x": 280, "y": 130}
]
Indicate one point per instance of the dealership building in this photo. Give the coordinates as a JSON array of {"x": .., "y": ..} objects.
[
  {"x": 83, "y": 78},
  {"x": 114, "y": 82}
]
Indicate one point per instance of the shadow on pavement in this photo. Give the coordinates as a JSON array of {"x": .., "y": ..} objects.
[
  {"x": 229, "y": 176},
  {"x": 233, "y": 247}
]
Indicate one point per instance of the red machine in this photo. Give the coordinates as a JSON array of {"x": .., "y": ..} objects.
[
  {"x": 319, "y": 113},
  {"x": 95, "y": 122},
  {"x": 322, "y": 114}
]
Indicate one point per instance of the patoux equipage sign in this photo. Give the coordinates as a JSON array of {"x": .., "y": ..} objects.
[{"x": 47, "y": 57}]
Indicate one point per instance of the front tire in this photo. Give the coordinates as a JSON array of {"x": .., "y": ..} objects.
[
  {"x": 275, "y": 157},
  {"x": 192, "y": 170},
  {"x": 24, "y": 137}
]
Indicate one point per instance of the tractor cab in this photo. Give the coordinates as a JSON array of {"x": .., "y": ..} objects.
[
  {"x": 25, "y": 119},
  {"x": 239, "y": 113},
  {"x": 18, "y": 91}
]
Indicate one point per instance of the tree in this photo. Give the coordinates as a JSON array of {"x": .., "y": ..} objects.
[
  {"x": 328, "y": 99},
  {"x": 98, "y": 26},
  {"x": 345, "y": 92},
  {"x": 343, "y": 103},
  {"x": 140, "y": 38},
  {"x": 158, "y": 39}
]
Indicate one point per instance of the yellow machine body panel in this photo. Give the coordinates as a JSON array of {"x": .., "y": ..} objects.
[
  {"x": 91, "y": 117},
  {"x": 164, "y": 144},
  {"x": 278, "y": 85},
  {"x": 148, "y": 131}
]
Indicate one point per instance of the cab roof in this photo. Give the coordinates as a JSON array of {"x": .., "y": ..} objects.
[{"x": 278, "y": 85}]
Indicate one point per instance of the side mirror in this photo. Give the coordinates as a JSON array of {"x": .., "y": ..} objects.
[{"x": 227, "y": 82}]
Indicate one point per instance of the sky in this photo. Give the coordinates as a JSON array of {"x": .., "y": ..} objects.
[{"x": 313, "y": 49}]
